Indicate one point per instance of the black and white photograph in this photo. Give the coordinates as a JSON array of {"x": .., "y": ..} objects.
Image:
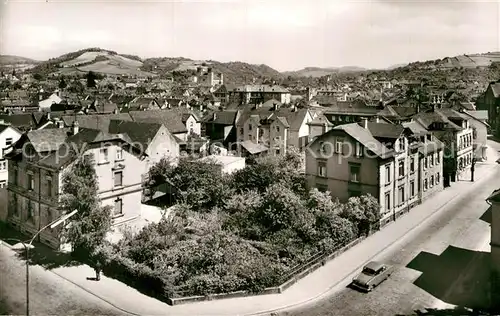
[{"x": 249, "y": 157}]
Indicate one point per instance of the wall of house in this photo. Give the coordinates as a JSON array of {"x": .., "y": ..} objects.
[
  {"x": 434, "y": 171},
  {"x": 464, "y": 152},
  {"x": 317, "y": 130},
  {"x": 161, "y": 146},
  {"x": 131, "y": 189},
  {"x": 4, "y": 203},
  {"x": 480, "y": 133},
  {"x": 193, "y": 126},
  {"x": 337, "y": 179},
  {"x": 495, "y": 252},
  {"x": 14, "y": 135},
  {"x": 278, "y": 137}
]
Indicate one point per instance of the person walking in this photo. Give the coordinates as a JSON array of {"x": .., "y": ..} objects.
[{"x": 97, "y": 269}]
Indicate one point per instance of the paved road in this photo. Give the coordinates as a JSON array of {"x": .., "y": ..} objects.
[
  {"x": 451, "y": 273},
  {"x": 49, "y": 294}
]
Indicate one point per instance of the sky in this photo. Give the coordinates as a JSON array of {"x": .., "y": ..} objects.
[{"x": 284, "y": 34}]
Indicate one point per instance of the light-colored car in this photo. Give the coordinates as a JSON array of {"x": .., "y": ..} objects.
[{"x": 372, "y": 275}]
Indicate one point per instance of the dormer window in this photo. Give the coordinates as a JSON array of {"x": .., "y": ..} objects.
[{"x": 401, "y": 145}]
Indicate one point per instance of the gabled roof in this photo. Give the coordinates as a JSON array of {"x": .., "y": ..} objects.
[
  {"x": 253, "y": 148},
  {"x": 225, "y": 117},
  {"x": 320, "y": 120},
  {"x": 51, "y": 139},
  {"x": 480, "y": 115},
  {"x": 434, "y": 116},
  {"x": 495, "y": 88},
  {"x": 364, "y": 137},
  {"x": 171, "y": 120},
  {"x": 142, "y": 133},
  {"x": 385, "y": 130},
  {"x": 352, "y": 107},
  {"x": 22, "y": 121},
  {"x": 261, "y": 88},
  {"x": 415, "y": 127},
  {"x": 99, "y": 122}
]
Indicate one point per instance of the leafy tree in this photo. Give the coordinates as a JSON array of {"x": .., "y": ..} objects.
[
  {"x": 89, "y": 226},
  {"x": 62, "y": 83},
  {"x": 13, "y": 72},
  {"x": 363, "y": 212},
  {"x": 38, "y": 77},
  {"x": 91, "y": 77}
]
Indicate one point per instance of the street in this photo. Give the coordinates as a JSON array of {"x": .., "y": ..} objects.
[
  {"x": 49, "y": 294},
  {"x": 439, "y": 247}
]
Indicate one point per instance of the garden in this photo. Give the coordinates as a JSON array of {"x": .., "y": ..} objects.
[{"x": 240, "y": 232}]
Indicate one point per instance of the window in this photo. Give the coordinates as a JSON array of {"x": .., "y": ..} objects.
[
  {"x": 438, "y": 159},
  {"x": 401, "y": 145},
  {"x": 338, "y": 146},
  {"x": 425, "y": 163},
  {"x": 49, "y": 186},
  {"x": 249, "y": 127},
  {"x": 277, "y": 129},
  {"x": 118, "y": 207},
  {"x": 104, "y": 155},
  {"x": 322, "y": 168},
  {"x": 412, "y": 188},
  {"x": 355, "y": 172},
  {"x": 432, "y": 181},
  {"x": 118, "y": 177},
  {"x": 321, "y": 187},
  {"x": 354, "y": 193},
  {"x": 431, "y": 158},
  {"x": 277, "y": 151},
  {"x": 3, "y": 165},
  {"x": 119, "y": 154},
  {"x": 412, "y": 165},
  {"x": 241, "y": 130},
  {"x": 401, "y": 194},
  {"x": 388, "y": 201},
  {"x": 359, "y": 151},
  {"x": 438, "y": 179},
  {"x": 3, "y": 184},
  {"x": 15, "y": 177},
  {"x": 8, "y": 141},
  {"x": 30, "y": 212},
  {"x": 31, "y": 182},
  {"x": 425, "y": 184},
  {"x": 387, "y": 174},
  {"x": 401, "y": 166}
]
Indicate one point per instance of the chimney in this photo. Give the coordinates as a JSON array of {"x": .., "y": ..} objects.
[
  {"x": 75, "y": 127},
  {"x": 377, "y": 119},
  {"x": 48, "y": 116},
  {"x": 276, "y": 106},
  {"x": 215, "y": 116},
  {"x": 364, "y": 122}
]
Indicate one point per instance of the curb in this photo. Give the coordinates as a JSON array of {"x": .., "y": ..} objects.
[{"x": 273, "y": 312}]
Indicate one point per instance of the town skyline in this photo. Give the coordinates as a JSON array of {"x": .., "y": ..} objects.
[{"x": 394, "y": 32}]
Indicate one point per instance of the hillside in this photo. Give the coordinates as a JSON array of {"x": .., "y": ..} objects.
[
  {"x": 16, "y": 60},
  {"x": 234, "y": 72},
  {"x": 93, "y": 59},
  {"x": 321, "y": 72}
]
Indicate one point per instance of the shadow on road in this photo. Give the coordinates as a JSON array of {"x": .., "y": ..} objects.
[
  {"x": 40, "y": 254},
  {"x": 457, "y": 276},
  {"x": 457, "y": 311},
  {"x": 486, "y": 217}
]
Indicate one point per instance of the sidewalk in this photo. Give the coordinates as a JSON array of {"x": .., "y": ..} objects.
[{"x": 329, "y": 277}]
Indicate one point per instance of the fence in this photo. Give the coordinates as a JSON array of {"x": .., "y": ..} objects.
[{"x": 295, "y": 274}]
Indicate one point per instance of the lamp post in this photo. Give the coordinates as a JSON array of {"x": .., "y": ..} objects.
[
  {"x": 27, "y": 245},
  {"x": 472, "y": 168}
]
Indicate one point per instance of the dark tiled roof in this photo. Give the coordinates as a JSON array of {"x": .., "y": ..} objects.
[
  {"x": 385, "y": 130},
  {"x": 364, "y": 137},
  {"x": 221, "y": 117},
  {"x": 51, "y": 139},
  {"x": 99, "y": 122},
  {"x": 171, "y": 120},
  {"x": 22, "y": 121},
  {"x": 434, "y": 116},
  {"x": 495, "y": 88},
  {"x": 3, "y": 127},
  {"x": 141, "y": 133},
  {"x": 354, "y": 107},
  {"x": 320, "y": 120}
]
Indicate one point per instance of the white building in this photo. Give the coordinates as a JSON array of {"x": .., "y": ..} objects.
[{"x": 8, "y": 136}]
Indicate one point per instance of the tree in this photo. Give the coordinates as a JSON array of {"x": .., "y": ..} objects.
[
  {"x": 91, "y": 77},
  {"x": 62, "y": 83},
  {"x": 38, "y": 77},
  {"x": 88, "y": 228}
]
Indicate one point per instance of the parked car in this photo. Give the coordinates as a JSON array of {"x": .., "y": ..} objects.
[{"x": 372, "y": 275}]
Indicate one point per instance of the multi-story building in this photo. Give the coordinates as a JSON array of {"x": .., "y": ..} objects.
[
  {"x": 256, "y": 94},
  {"x": 367, "y": 158},
  {"x": 39, "y": 161},
  {"x": 274, "y": 126},
  {"x": 454, "y": 130},
  {"x": 494, "y": 199},
  {"x": 490, "y": 102},
  {"x": 8, "y": 136}
]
